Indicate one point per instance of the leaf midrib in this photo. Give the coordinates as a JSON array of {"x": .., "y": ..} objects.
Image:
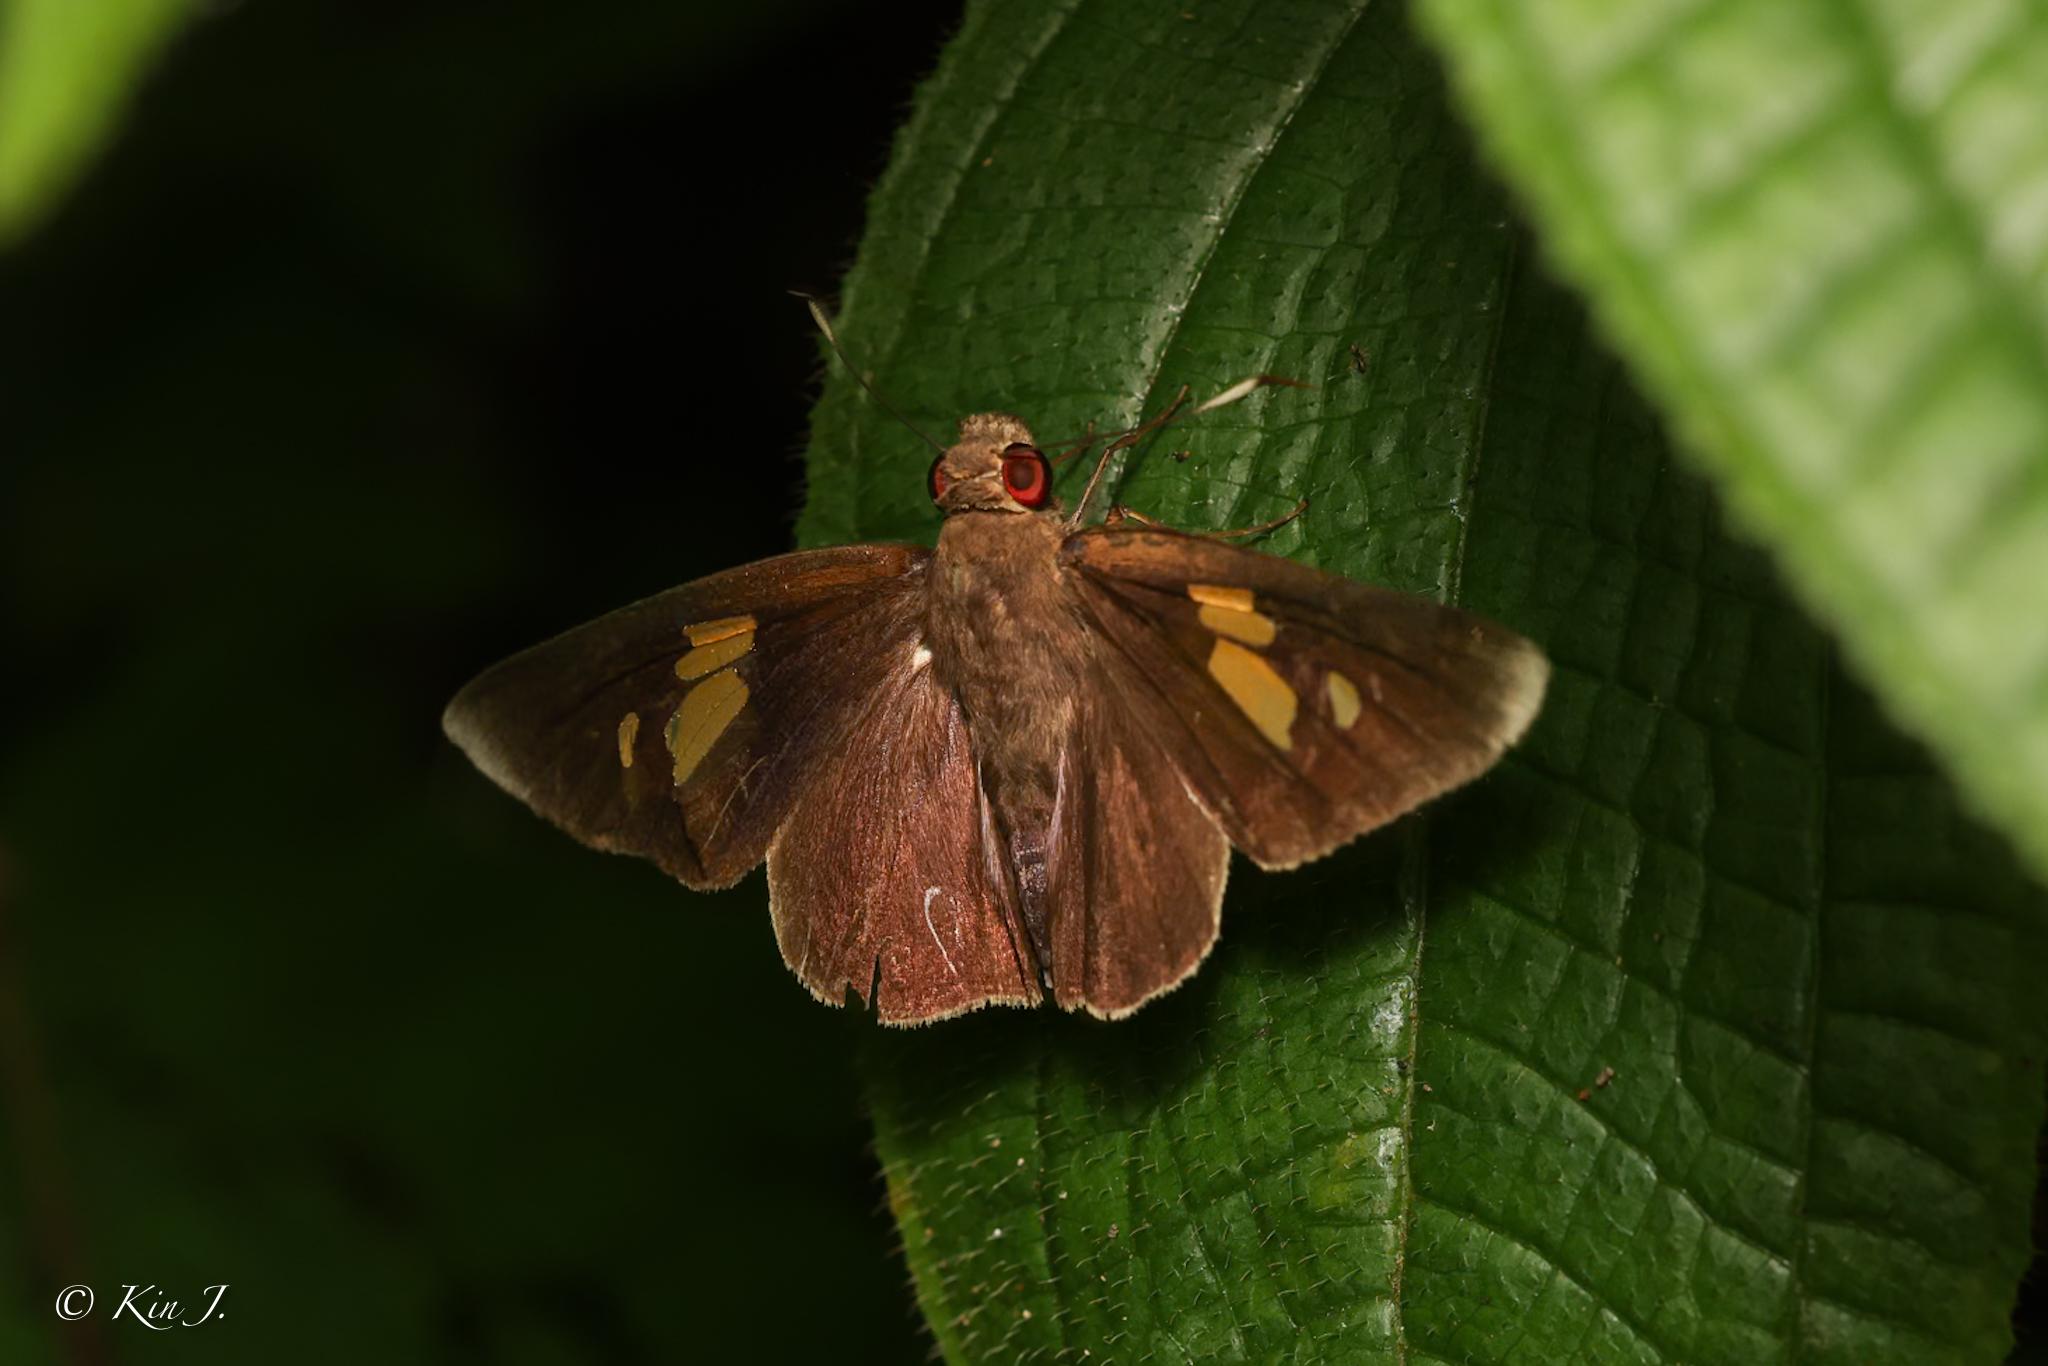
[
  {"x": 1414, "y": 871},
  {"x": 1415, "y": 859},
  {"x": 1151, "y": 398}
]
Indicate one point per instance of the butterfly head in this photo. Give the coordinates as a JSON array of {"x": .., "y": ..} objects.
[{"x": 995, "y": 466}]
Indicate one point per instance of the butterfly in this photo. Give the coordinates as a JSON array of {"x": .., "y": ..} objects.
[{"x": 1012, "y": 766}]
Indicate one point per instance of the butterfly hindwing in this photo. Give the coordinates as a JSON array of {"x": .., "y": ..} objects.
[
  {"x": 1135, "y": 867},
  {"x": 1303, "y": 709},
  {"x": 682, "y": 728},
  {"x": 889, "y": 879}
]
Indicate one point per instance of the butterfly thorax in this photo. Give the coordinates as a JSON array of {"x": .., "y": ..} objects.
[{"x": 1005, "y": 640}]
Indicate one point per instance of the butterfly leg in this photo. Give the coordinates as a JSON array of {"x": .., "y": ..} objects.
[
  {"x": 1244, "y": 388},
  {"x": 1119, "y": 514},
  {"x": 1123, "y": 442}
]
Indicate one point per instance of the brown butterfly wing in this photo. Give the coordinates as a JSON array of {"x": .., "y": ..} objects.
[
  {"x": 889, "y": 879},
  {"x": 1302, "y": 709},
  {"x": 551, "y": 725},
  {"x": 1135, "y": 866}
]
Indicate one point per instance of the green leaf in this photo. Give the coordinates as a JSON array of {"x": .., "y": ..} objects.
[
  {"x": 1818, "y": 230},
  {"x": 1357, "y": 1134},
  {"x": 66, "y": 67}
]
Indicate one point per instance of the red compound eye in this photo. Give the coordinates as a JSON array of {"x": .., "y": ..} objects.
[
  {"x": 1026, "y": 475},
  {"x": 935, "y": 481}
]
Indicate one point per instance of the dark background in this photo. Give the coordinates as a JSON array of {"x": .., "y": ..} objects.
[{"x": 387, "y": 339}]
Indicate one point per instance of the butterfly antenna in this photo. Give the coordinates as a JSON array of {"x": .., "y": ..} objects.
[{"x": 831, "y": 340}]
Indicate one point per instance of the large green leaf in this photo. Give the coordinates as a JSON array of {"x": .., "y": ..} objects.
[
  {"x": 1380, "y": 1124},
  {"x": 1820, "y": 231},
  {"x": 65, "y": 70}
]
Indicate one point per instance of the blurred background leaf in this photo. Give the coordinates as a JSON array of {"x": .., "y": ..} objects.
[
  {"x": 1820, "y": 234},
  {"x": 1704, "y": 1030},
  {"x": 66, "y": 69}
]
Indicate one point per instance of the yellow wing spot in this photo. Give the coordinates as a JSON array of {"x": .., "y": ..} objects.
[
  {"x": 1253, "y": 628},
  {"x": 706, "y": 712},
  {"x": 629, "y": 731},
  {"x": 1210, "y": 595},
  {"x": 1344, "y": 705},
  {"x": 1259, "y": 691},
  {"x": 714, "y": 655},
  {"x": 708, "y": 632}
]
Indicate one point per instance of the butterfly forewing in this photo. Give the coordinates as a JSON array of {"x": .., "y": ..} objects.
[
  {"x": 1305, "y": 709},
  {"x": 681, "y": 728}
]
